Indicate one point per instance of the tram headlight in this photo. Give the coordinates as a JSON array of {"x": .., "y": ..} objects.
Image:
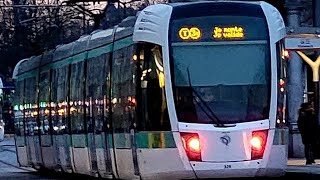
[
  {"x": 258, "y": 142},
  {"x": 192, "y": 146}
]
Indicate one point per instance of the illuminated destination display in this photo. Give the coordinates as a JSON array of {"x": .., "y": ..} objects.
[
  {"x": 217, "y": 33},
  {"x": 218, "y": 29},
  {"x": 192, "y": 33},
  {"x": 228, "y": 32}
]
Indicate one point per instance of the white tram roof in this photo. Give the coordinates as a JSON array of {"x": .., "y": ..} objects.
[
  {"x": 16, "y": 68},
  {"x": 96, "y": 39},
  {"x": 125, "y": 28}
]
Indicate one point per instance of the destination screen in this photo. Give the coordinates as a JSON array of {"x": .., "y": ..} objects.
[{"x": 218, "y": 28}]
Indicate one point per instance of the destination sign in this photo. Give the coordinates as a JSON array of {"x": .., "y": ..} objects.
[
  {"x": 218, "y": 29},
  {"x": 218, "y": 33},
  {"x": 228, "y": 32}
]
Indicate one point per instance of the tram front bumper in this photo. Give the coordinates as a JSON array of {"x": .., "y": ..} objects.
[{"x": 226, "y": 169}]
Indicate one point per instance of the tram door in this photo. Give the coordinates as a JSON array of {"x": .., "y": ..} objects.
[
  {"x": 79, "y": 140},
  {"x": 32, "y": 125},
  {"x": 45, "y": 119},
  {"x": 97, "y": 116},
  {"x": 20, "y": 136},
  {"x": 59, "y": 116},
  {"x": 123, "y": 88}
]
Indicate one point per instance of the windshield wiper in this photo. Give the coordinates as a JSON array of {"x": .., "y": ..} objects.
[{"x": 212, "y": 117}]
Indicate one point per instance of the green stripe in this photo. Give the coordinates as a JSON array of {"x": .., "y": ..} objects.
[
  {"x": 20, "y": 141},
  {"x": 32, "y": 73},
  {"x": 99, "y": 51},
  {"x": 145, "y": 139},
  {"x": 46, "y": 67},
  {"x": 123, "y": 43},
  {"x": 122, "y": 140},
  {"x": 99, "y": 141},
  {"x": 79, "y": 57},
  {"x": 281, "y": 136},
  {"x": 79, "y": 140},
  {"x": 63, "y": 140},
  {"x": 156, "y": 139},
  {"x": 46, "y": 140}
]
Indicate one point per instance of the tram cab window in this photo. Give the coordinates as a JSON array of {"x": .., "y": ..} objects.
[{"x": 152, "y": 106}]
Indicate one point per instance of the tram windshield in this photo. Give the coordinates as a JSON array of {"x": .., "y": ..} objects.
[{"x": 232, "y": 79}]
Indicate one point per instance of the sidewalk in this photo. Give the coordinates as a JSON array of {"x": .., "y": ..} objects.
[
  {"x": 299, "y": 166},
  {"x": 8, "y": 159}
]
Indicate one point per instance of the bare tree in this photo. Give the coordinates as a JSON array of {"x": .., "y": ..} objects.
[{"x": 29, "y": 27}]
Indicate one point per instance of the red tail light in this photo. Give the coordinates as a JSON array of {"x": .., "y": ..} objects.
[
  {"x": 192, "y": 146},
  {"x": 258, "y": 143}
]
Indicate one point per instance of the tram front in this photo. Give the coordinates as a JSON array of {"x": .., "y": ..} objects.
[{"x": 220, "y": 66}]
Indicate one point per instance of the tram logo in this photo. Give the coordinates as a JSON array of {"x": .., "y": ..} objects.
[
  {"x": 193, "y": 33},
  {"x": 225, "y": 139}
]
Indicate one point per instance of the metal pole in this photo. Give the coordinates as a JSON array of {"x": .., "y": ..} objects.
[
  {"x": 295, "y": 86},
  {"x": 316, "y": 100}
]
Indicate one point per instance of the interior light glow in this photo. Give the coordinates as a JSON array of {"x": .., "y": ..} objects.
[
  {"x": 285, "y": 54},
  {"x": 135, "y": 57}
]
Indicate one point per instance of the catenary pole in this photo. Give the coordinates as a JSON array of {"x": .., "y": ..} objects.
[{"x": 295, "y": 87}]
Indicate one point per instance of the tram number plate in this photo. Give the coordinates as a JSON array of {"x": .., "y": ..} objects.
[{"x": 227, "y": 166}]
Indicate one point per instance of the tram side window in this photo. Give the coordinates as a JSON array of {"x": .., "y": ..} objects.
[
  {"x": 59, "y": 110},
  {"x": 31, "y": 111},
  {"x": 76, "y": 98},
  {"x": 123, "y": 89},
  {"x": 44, "y": 102},
  {"x": 153, "y": 112},
  {"x": 18, "y": 107},
  {"x": 96, "y": 93}
]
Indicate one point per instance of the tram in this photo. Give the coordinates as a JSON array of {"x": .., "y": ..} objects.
[{"x": 181, "y": 91}]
